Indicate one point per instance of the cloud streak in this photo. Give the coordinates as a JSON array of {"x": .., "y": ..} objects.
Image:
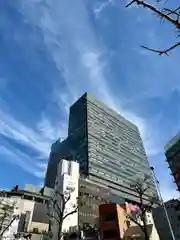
[
  {"x": 14, "y": 129},
  {"x": 100, "y": 6},
  {"x": 84, "y": 61},
  {"x": 77, "y": 53},
  {"x": 38, "y": 139},
  {"x": 21, "y": 159},
  {"x": 80, "y": 59}
]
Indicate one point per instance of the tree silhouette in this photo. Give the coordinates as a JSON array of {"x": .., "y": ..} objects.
[
  {"x": 58, "y": 210},
  {"x": 7, "y": 216},
  {"x": 165, "y": 14},
  {"x": 141, "y": 187}
]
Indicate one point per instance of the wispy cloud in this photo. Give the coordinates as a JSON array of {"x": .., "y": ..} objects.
[
  {"x": 78, "y": 55},
  {"x": 37, "y": 139},
  {"x": 12, "y": 128},
  {"x": 48, "y": 131},
  {"x": 82, "y": 59},
  {"x": 21, "y": 159},
  {"x": 100, "y": 6}
]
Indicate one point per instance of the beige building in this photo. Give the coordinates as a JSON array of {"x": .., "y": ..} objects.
[
  {"x": 31, "y": 208},
  {"x": 114, "y": 224}
]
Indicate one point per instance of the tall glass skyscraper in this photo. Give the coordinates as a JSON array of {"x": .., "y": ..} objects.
[{"x": 107, "y": 146}]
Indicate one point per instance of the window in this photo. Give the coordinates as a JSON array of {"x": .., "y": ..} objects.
[
  {"x": 110, "y": 234},
  {"x": 28, "y": 197},
  {"x": 39, "y": 200},
  {"x": 35, "y": 230},
  {"x": 128, "y": 223},
  {"x": 112, "y": 216}
]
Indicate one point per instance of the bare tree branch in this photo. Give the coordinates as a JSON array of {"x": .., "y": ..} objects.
[
  {"x": 54, "y": 217},
  {"x": 58, "y": 208},
  {"x": 2, "y": 220},
  {"x": 155, "y": 10},
  {"x": 170, "y": 15},
  {"x": 7, "y": 209},
  {"x": 70, "y": 213},
  {"x": 161, "y": 52},
  {"x": 168, "y": 11},
  {"x": 68, "y": 198},
  {"x": 10, "y": 223},
  {"x": 140, "y": 187},
  {"x": 135, "y": 221}
]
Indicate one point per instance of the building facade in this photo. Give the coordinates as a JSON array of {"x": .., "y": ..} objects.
[
  {"x": 92, "y": 195},
  {"x": 31, "y": 208},
  {"x": 108, "y": 148},
  {"x": 67, "y": 185},
  {"x": 114, "y": 224},
  {"x": 172, "y": 152},
  {"x": 173, "y": 210}
]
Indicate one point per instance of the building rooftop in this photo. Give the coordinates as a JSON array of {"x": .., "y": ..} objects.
[
  {"x": 105, "y": 106},
  {"x": 44, "y": 193},
  {"x": 173, "y": 141}
]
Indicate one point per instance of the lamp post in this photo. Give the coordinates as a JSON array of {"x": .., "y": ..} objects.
[{"x": 161, "y": 199}]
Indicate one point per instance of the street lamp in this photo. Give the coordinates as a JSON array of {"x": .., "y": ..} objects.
[{"x": 161, "y": 199}]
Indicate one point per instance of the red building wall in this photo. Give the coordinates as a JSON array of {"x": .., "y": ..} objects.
[{"x": 112, "y": 221}]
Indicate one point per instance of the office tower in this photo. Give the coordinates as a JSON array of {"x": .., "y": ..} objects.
[
  {"x": 91, "y": 196},
  {"x": 108, "y": 148},
  {"x": 172, "y": 152}
]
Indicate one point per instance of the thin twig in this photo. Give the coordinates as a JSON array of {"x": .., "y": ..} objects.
[
  {"x": 135, "y": 221},
  {"x": 161, "y": 52},
  {"x": 169, "y": 11},
  {"x": 70, "y": 213},
  {"x": 155, "y": 10}
]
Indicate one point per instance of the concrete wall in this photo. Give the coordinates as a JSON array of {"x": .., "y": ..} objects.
[
  {"x": 27, "y": 206},
  {"x": 30, "y": 212},
  {"x": 119, "y": 221},
  {"x": 40, "y": 226}
]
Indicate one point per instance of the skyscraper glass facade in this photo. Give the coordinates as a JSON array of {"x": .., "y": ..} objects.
[{"x": 107, "y": 146}]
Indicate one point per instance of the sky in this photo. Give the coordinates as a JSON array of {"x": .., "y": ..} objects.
[{"x": 52, "y": 51}]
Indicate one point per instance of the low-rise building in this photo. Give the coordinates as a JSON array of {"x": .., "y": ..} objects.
[
  {"x": 160, "y": 218},
  {"x": 30, "y": 210},
  {"x": 115, "y": 226}
]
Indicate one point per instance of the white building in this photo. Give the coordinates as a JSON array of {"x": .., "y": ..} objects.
[
  {"x": 31, "y": 209},
  {"x": 67, "y": 183}
]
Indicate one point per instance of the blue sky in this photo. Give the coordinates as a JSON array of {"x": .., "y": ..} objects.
[{"x": 52, "y": 51}]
